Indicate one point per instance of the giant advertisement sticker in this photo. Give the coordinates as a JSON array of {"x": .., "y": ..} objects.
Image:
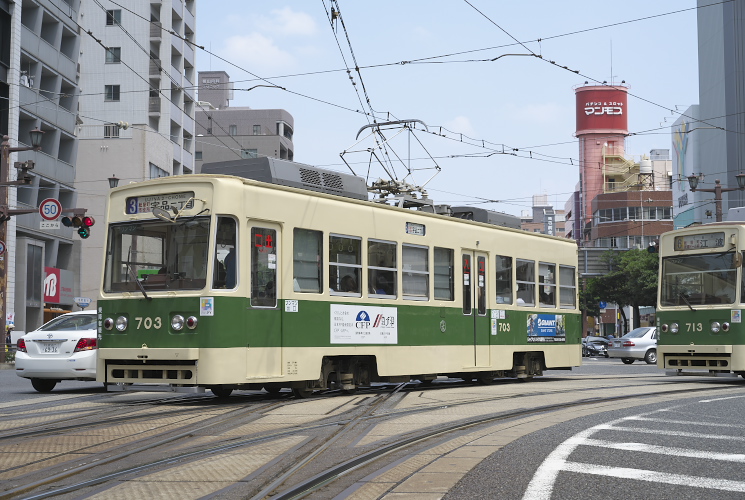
[
  {"x": 546, "y": 328},
  {"x": 363, "y": 324}
]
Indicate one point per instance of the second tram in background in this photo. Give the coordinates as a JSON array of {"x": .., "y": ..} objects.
[
  {"x": 222, "y": 282},
  {"x": 699, "y": 315}
]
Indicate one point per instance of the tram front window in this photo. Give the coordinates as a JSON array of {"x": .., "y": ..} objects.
[
  {"x": 708, "y": 279},
  {"x": 157, "y": 255}
]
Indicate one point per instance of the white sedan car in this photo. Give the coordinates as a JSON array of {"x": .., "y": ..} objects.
[{"x": 65, "y": 348}]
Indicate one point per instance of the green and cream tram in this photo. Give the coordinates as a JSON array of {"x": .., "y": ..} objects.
[
  {"x": 220, "y": 282},
  {"x": 701, "y": 294}
]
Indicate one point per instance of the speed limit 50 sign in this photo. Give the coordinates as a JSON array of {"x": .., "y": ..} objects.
[{"x": 50, "y": 209}]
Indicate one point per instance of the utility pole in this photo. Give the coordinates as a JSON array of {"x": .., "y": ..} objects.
[{"x": 6, "y": 212}]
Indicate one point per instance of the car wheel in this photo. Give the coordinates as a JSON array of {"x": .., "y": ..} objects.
[
  {"x": 627, "y": 361},
  {"x": 607, "y": 355},
  {"x": 43, "y": 385},
  {"x": 651, "y": 357}
]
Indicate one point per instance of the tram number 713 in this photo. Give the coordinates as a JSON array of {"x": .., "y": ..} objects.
[
  {"x": 148, "y": 322},
  {"x": 694, "y": 327}
]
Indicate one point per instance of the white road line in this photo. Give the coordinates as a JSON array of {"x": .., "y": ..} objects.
[
  {"x": 667, "y": 433},
  {"x": 655, "y": 477},
  {"x": 666, "y": 450},
  {"x": 720, "y": 399},
  {"x": 542, "y": 485},
  {"x": 681, "y": 422}
]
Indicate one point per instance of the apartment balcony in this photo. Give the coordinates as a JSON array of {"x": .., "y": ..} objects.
[
  {"x": 177, "y": 77},
  {"x": 154, "y": 106},
  {"x": 40, "y": 49},
  {"x": 156, "y": 31},
  {"x": 35, "y": 103},
  {"x": 155, "y": 66}
]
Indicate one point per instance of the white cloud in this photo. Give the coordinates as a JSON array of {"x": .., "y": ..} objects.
[
  {"x": 256, "y": 53},
  {"x": 287, "y": 22},
  {"x": 460, "y": 125}
]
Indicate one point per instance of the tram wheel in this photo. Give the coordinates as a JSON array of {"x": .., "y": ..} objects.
[
  {"x": 221, "y": 391},
  {"x": 271, "y": 389},
  {"x": 304, "y": 393}
]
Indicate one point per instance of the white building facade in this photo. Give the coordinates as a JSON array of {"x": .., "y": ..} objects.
[{"x": 136, "y": 105}]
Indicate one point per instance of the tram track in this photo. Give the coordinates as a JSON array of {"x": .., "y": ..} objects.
[{"x": 311, "y": 455}]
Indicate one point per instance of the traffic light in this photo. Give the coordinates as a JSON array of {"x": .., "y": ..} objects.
[
  {"x": 82, "y": 223},
  {"x": 85, "y": 228}
]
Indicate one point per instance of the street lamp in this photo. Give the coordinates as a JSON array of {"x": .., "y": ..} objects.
[
  {"x": 717, "y": 190},
  {"x": 113, "y": 181},
  {"x": 5, "y": 213}
]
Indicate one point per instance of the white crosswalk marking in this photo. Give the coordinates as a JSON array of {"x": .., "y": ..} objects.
[{"x": 542, "y": 484}]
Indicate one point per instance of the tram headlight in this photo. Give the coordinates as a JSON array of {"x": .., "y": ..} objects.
[
  {"x": 715, "y": 327},
  {"x": 177, "y": 322},
  {"x": 191, "y": 322},
  {"x": 674, "y": 327},
  {"x": 108, "y": 323},
  {"x": 725, "y": 327},
  {"x": 121, "y": 323},
  {"x": 664, "y": 327}
]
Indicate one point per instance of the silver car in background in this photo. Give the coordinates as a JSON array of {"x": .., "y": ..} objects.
[{"x": 640, "y": 343}]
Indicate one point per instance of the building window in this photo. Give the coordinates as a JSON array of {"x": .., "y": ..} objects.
[
  {"x": 113, "y": 55},
  {"x": 156, "y": 172},
  {"x": 197, "y": 155},
  {"x": 110, "y": 131},
  {"x": 113, "y": 17},
  {"x": 257, "y": 129},
  {"x": 233, "y": 130},
  {"x": 249, "y": 153},
  {"x": 111, "y": 93}
]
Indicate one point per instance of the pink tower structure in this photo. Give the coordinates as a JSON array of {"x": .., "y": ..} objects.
[{"x": 602, "y": 127}]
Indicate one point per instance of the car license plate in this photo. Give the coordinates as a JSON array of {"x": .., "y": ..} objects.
[{"x": 50, "y": 348}]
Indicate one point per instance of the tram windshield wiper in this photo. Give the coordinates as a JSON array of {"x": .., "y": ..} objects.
[
  {"x": 139, "y": 285},
  {"x": 682, "y": 296}
]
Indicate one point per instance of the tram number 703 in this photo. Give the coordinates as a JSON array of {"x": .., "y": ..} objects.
[
  {"x": 148, "y": 322},
  {"x": 694, "y": 327}
]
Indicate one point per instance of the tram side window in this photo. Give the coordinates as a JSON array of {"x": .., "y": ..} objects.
[
  {"x": 547, "y": 284},
  {"x": 306, "y": 261},
  {"x": 224, "y": 274},
  {"x": 525, "y": 278},
  {"x": 345, "y": 265},
  {"x": 504, "y": 280},
  {"x": 444, "y": 274},
  {"x": 263, "y": 267},
  {"x": 567, "y": 287},
  {"x": 415, "y": 272},
  {"x": 382, "y": 271}
]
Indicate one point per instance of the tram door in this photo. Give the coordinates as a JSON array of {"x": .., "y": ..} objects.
[
  {"x": 264, "y": 282},
  {"x": 474, "y": 303}
]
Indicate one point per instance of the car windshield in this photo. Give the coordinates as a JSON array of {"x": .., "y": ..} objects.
[
  {"x": 69, "y": 323},
  {"x": 698, "y": 280},
  {"x": 160, "y": 255},
  {"x": 638, "y": 333}
]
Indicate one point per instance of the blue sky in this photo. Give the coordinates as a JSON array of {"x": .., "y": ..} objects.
[{"x": 450, "y": 81}]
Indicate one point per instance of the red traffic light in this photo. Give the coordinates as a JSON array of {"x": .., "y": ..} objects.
[{"x": 88, "y": 221}]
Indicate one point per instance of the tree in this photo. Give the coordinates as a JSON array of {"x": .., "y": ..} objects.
[{"x": 632, "y": 281}]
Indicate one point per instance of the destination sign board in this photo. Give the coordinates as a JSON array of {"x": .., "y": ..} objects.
[
  {"x": 145, "y": 204},
  {"x": 699, "y": 241}
]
